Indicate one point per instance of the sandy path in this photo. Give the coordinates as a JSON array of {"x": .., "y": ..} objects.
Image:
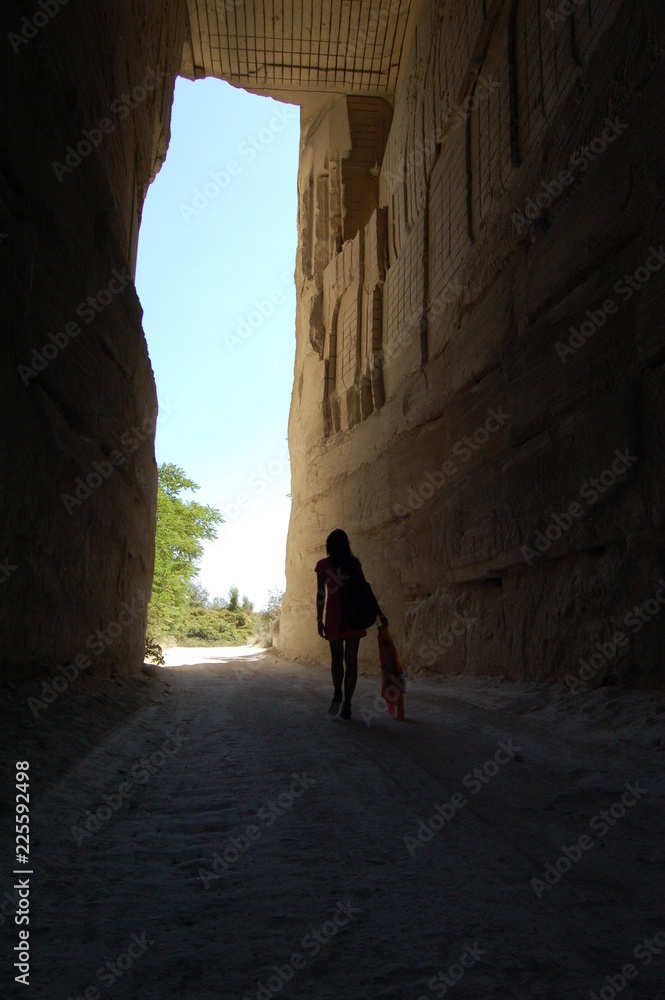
[{"x": 197, "y": 768}]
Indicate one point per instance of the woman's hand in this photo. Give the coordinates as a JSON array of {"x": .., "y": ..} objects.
[{"x": 320, "y": 603}]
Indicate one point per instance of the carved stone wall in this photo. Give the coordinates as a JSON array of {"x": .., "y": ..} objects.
[
  {"x": 478, "y": 394},
  {"x": 479, "y": 389}
]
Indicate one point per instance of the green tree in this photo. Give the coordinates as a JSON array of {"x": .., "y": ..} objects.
[
  {"x": 182, "y": 527},
  {"x": 234, "y": 594},
  {"x": 266, "y": 621},
  {"x": 199, "y": 596}
]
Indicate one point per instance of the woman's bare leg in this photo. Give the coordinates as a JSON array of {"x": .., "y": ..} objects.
[
  {"x": 337, "y": 664},
  {"x": 351, "y": 675}
]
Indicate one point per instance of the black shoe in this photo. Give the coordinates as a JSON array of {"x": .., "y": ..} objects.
[
  {"x": 334, "y": 705},
  {"x": 346, "y": 710}
]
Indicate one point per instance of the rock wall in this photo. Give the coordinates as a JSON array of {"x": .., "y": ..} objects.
[
  {"x": 478, "y": 392},
  {"x": 85, "y": 96},
  {"x": 479, "y": 385}
]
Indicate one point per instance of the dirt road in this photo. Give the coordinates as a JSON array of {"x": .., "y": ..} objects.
[{"x": 231, "y": 840}]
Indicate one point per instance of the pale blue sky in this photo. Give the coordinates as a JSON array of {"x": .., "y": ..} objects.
[{"x": 215, "y": 278}]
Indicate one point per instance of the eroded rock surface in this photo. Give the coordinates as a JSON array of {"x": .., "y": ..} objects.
[
  {"x": 479, "y": 373},
  {"x": 479, "y": 330}
]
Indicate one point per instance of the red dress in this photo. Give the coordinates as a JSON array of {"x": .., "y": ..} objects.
[{"x": 333, "y": 616}]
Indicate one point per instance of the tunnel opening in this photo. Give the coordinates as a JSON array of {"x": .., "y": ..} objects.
[
  {"x": 215, "y": 276},
  {"x": 479, "y": 390}
]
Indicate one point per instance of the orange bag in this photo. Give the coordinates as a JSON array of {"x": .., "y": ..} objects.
[{"x": 393, "y": 683}]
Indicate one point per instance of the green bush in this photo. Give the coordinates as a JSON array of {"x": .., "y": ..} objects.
[
  {"x": 216, "y": 625},
  {"x": 181, "y": 611},
  {"x": 153, "y": 651},
  {"x": 266, "y": 622}
]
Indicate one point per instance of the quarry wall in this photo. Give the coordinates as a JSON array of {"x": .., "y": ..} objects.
[
  {"x": 478, "y": 392},
  {"x": 85, "y": 93}
]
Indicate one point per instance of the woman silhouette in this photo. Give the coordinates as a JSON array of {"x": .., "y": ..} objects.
[{"x": 331, "y": 573}]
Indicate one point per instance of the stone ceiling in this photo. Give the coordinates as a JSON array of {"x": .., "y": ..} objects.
[{"x": 273, "y": 46}]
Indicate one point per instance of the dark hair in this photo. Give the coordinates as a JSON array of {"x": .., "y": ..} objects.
[{"x": 338, "y": 548}]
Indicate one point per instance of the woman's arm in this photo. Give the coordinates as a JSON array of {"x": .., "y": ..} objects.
[{"x": 320, "y": 602}]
